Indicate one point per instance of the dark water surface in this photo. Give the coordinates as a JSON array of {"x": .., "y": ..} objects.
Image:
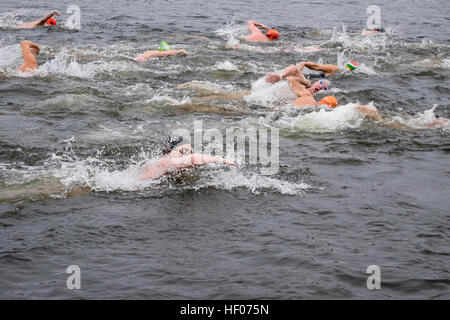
[{"x": 350, "y": 192}]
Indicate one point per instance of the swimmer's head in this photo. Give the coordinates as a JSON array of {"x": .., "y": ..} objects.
[
  {"x": 352, "y": 65},
  {"x": 319, "y": 86},
  {"x": 51, "y": 21},
  {"x": 272, "y": 34},
  {"x": 329, "y": 101},
  {"x": 34, "y": 50},
  {"x": 164, "y": 46},
  {"x": 171, "y": 142}
]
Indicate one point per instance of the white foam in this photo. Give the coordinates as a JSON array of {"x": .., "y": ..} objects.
[
  {"x": 423, "y": 120},
  {"x": 268, "y": 94},
  {"x": 226, "y": 65},
  {"x": 310, "y": 119}
]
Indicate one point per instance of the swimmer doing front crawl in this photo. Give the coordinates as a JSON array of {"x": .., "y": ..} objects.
[
  {"x": 178, "y": 158},
  {"x": 256, "y": 34},
  {"x": 46, "y": 20},
  {"x": 325, "y": 70},
  {"x": 305, "y": 99},
  {"x": 164, "y": 50},
  {"x": 29, "y": 51}
]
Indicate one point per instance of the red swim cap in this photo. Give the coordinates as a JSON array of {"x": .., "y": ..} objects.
[
  {"x": 51, "y": 21},
  {"x": 329, "y": 101},
  {"x": 272, "y": 34}
]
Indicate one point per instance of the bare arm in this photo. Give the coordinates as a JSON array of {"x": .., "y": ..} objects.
[
  {"x": 252, "y": 26},
  {"x": 204, "y": 159},
  {"x": 171, "y": 53},
  {"x": 298, "y": 88},
  {"x": 302, "y": 80},
  {"x": 153, "y": 53},
  {"x": 291, "y": 71},
  {"x": 41, "y": 21},
  {"x": 329, "y": 69},
  {"x": 370, "y": 112},
  {"x": 29, "y": 61}
]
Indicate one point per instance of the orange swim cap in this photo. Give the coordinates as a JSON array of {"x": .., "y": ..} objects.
[
  {"x": 272, "y": 34},
  {"x": 51, "y": 21},
  {"x": 330, "y": 101}
]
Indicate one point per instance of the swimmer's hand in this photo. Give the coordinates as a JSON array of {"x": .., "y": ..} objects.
[
  {"x": 273, "y": 78},
  {"x": 231, "y": 163},
  {"x": 55, "y": 13},
  {"x": 301, "y": 66},
  {"x": 184, "y": 52},
  {"x": 28, "y": 45}
]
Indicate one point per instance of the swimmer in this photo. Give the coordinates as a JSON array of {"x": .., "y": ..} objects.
[
  {"x": 372, "y": 31},
  {"x": 257, "y": 35},
  {"x": 326, "y": 70},
  {"x": 209, "y": 94},
  {"x": 305, "y": 99},
  {"x": 164, "y": 50},
  {"x": 304, "y": 94},
  {"x": 47, "y": 20},
  {"x": 175, "y": 159},
  {"x": 29, "y": 51}
]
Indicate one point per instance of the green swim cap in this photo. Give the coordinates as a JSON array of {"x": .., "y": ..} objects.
[{"x": 164, "y": 46}]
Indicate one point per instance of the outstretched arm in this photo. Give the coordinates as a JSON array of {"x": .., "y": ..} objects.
[
  {"x": 204, "y": 159},
  {"x": 252, "y": 26},
  {"x": 29, "y": 61},
  {"x": 154, "y": 53},
  {"x": 329, "y": 69},
  {"x": 41, "y": 21}
]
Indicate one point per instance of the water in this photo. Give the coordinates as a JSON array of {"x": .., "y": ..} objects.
[{"x": 349, "y": 192}]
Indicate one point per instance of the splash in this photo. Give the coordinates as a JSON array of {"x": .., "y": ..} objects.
[
  {"x": 11, "y": 19},
  {"x": 66, "y": 63},
  {"x": 269, "y": 95},
  {"x": 423, "y": 120},
  {"x": 230, "y": 180},
  {"x": 226, "y": 65}
]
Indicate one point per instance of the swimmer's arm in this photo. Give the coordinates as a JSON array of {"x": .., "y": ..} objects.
[
  {"x": 370, "y": 112},
  {"x": 329, "y": 69},
  {"x": 41, "y": 21},
  {"x": 173, "y": 52},
  {"x": 153, "y": 53},
  {"x": 290, "y": 71},
  {"x": 295, "y": 71},
  {"x": 204, "y": 159},
  {"x": 29, "y": 61},
  {"x": 297, "y": 87},
  {"x": 302, "y": 80},
  {"x": 252, "y": 26}
]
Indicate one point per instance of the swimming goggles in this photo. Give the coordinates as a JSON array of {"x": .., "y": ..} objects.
[{"x": 323, "y": 84}]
